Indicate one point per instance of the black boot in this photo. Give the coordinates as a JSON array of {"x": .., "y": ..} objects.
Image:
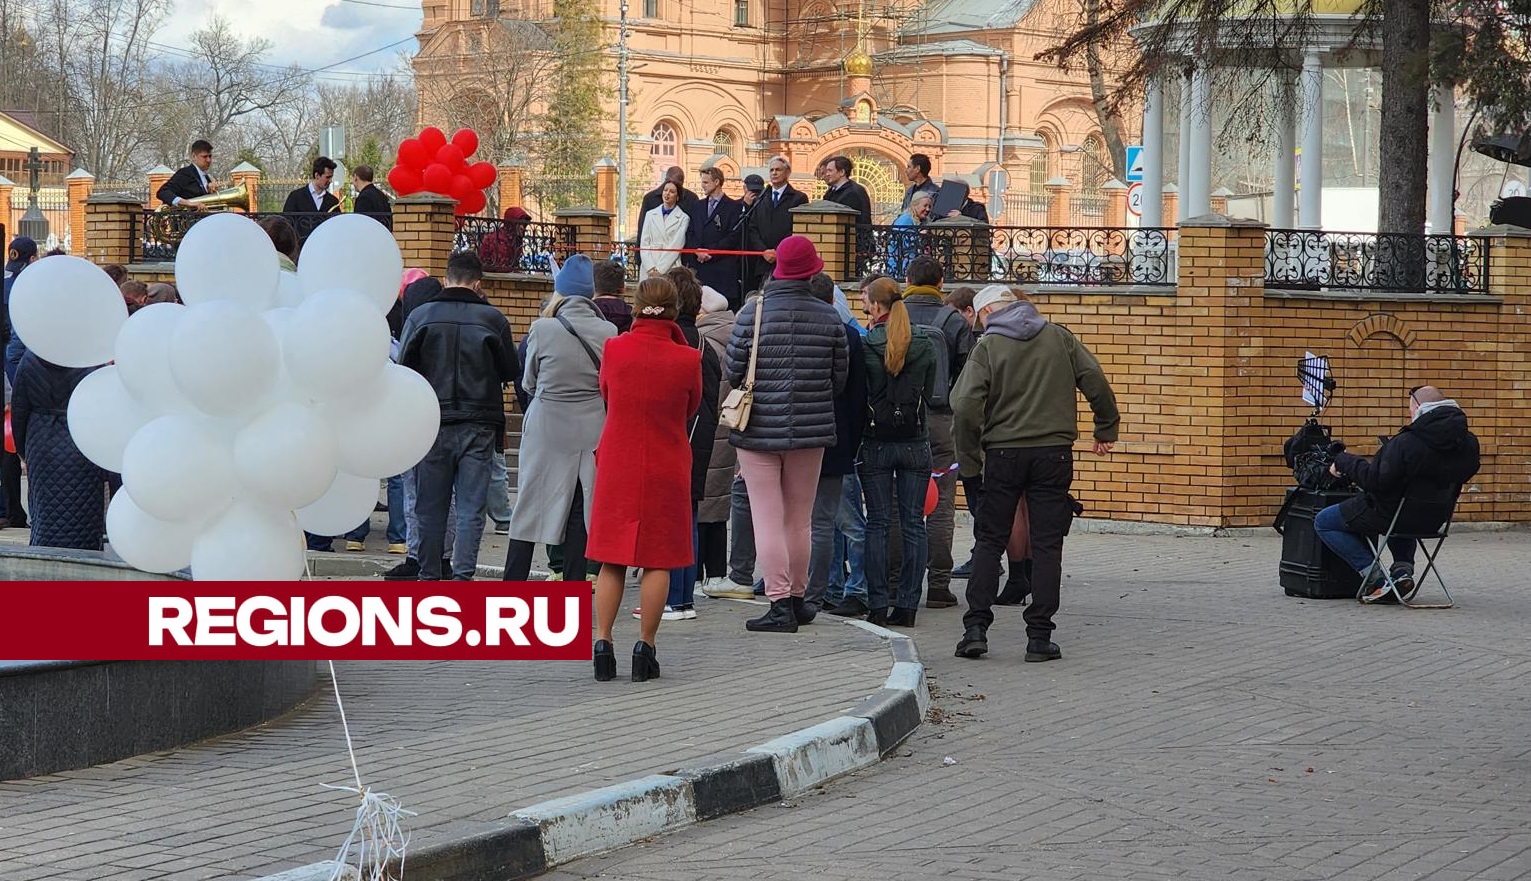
[
  {"x": 1041, "y": 650},
  {"x": 974, "y": 643},
  {"x": 777, "y": 619},
  {"x": 853, "y": 607},
  {"x": 802, "y": 612},
  {"x": 605, "y": 661},
  {"x": 940, "y": 598},
  {"x": 901, "y": 618},
  {"x": 409, "y": 570},
  {"x": 645, "y": 664},
  {"x": 878, "y": 617},
  {"x": 1017, "y": 585}
]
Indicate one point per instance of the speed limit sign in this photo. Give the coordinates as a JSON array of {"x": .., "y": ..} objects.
[{"x": 1135, "y": 199}]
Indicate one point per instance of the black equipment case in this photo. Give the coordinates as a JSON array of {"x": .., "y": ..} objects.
[{"x": 1308, "y": 568}]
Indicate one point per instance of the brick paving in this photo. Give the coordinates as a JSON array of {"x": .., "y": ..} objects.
[{"x": 1202, "y": 725}]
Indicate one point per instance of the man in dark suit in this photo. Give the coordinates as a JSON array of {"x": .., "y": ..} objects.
[
  {"x": 315, "y": 198},
  {"x": 192, "y": 180},
  {"x": 844, "y": 191},
  {"x": 370, "y": 200},
  {"x": 770, "y": 222},
  {"x": 674, "y": 174},
  {"x": 715, "y": 225}
]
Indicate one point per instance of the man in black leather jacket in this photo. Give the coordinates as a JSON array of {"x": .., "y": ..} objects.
[
  {"x": 1427, "y": 462},
  {"x": 463, "y": 347}
]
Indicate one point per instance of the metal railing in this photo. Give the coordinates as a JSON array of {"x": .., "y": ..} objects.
[
  {"x": 1083, "y": 256},
  {"x": 1316, "y": 260},
  {"x": 511, "y": 246},
  {"x": 157, "y": 235}
]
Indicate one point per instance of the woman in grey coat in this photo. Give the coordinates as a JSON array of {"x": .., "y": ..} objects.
[
  {"x": 716, "y": 323},
  {"x": 559, "y": 434},
  {"x": 801, "y": 366}
]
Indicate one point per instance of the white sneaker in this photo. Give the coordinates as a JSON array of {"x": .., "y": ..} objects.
[
  {"x": 723, "y": 588},
  {"x": 690, "y": 614},
  {"x": 675, "y": 614}
]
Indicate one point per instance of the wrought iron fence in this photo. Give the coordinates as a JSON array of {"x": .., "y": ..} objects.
[
  {"x": 1021, "y": 209},
  {"x": 158, "y": 234},
  {"x": 1314, "y": 260},
  {"x": 1093, "y": 256},
  {"x": 509, "y": 246}
]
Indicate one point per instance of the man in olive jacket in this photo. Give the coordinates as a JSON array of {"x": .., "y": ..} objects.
[{"x": 1016, "y": 417}]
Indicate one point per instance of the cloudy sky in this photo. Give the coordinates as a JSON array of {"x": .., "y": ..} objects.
[{"x": 311, "y": 33}]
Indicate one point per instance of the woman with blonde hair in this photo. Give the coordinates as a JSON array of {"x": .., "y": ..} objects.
[
  {"x": 895, "y": 455},
  {"x": 651, "y": 379}
]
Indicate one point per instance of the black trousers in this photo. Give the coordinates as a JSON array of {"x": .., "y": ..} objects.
[
  {"x": 713, "y": 558},
  {"x": 10, "y": 480},
  {"x": 1043, "y": 476},
  {"x": 518, "y": 557}
]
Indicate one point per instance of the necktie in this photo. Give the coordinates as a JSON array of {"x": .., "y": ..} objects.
[{"x": 775, "y": 197}]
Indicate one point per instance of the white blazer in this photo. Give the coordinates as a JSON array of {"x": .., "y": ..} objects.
[{"x": 661, "y": 232}]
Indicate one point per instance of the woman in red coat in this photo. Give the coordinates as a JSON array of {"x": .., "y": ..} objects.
[{"x": 640, "y": 514}]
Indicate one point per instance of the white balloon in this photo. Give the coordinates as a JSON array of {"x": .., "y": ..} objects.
[
  {"x": 286, "y": 456},
  {"x": 143, "y": 358},
  {"x": 103, "y": 417},
  {"x": 289, "y": 290},
  {"x": 345, "y": 505},
  {"x": 388, "y": 427},
  {"x": 249, "y": 542},
  {"x": 227, "y": 257},
  {"x": 146, "y": 542},
  {"x": 353, "y": 251},
  {"x": 178, "y": 469},
  {"x": 224, "y": 357},
  {"x": 335, "y": 343},
  {"x": 67, "y": 311}
]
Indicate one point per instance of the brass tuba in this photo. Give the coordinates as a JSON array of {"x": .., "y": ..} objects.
[{"x": 169, "y": 223}]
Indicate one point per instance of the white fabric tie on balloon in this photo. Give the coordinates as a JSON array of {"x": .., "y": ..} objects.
[{"x": 264, "y": 406}]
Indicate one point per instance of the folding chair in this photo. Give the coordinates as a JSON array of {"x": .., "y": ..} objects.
[{"x": 1380, "y": 543}]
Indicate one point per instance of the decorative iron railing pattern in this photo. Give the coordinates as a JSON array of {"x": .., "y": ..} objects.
[
  {"x": 158, "y": 234},
  {"x": 1084, "y": 256},
  {"x": 1316, "y": 260},
  {"x": 514, "y": 246}
]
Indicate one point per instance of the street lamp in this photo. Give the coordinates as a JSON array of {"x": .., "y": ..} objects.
[{"x": 622, "y": 126}]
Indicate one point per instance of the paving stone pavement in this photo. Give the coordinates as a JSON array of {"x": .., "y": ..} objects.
[
  {"x": 454, "y": 741},
  {"x": 1201, "y": 725}
]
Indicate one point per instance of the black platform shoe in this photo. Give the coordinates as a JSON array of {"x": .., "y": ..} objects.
[
  {"x": 778, "y": 619},
  {"x": 1017, "y": 585},
  {"x": 802, "y": 612},
  {"x": 645, "y": 664},
  {"x": 605, "y": 661}
]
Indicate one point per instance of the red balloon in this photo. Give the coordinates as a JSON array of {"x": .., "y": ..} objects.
[
  {"x": 932, "y": 496},
  {"x": 437, "y": 179},
  {"x": 484, "y": 174},
  {"x": 466, "y": 140},
  {"x": 405, "y": 180},
  {"x": 451, "y": 157},
  {"x": 473, "y": 204},
  {"x": 462, "y": 186},
  {"x": 433, "y": 139},
  {"x": 413, "y": 154}
]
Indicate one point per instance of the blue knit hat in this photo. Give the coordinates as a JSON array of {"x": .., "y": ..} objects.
[{"x": 576, "y": 278}]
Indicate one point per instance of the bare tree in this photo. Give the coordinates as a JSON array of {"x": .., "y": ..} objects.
[
  {"x": 225, "y": 79},
  {"x": 496, "y": 92},
  {"x": 380, "y": 109}
]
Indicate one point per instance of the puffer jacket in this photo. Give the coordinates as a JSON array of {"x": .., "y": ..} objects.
[{"x": 801, "y": 369}]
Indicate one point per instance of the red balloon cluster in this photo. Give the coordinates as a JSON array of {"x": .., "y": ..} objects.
[{"x": 432, "y": 164}]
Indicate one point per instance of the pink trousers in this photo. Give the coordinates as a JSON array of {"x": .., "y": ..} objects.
[{"x": 781, "y": 488}]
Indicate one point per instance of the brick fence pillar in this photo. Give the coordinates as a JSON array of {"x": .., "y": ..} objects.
[
  {"x": 1507, "y": 433},
  {"x": 111, "y": 222},
  {"x": 512, "y": 177},
  {"x": 424, "y": 226},
  {"x": 1116, "y": 204},
  {"x": 6, "y": 188},
  {"x": 1057, "y": 201},
  {"x": 249, "y": 176},
  {"x": 78, "y": 185},
  {"x": 1220, "y": 200},
  {"x": 158, "y": 175},
  {"x": 594, "y": 230},
  {"x": 832, "y": 229},
  {"x": 606, "y": 185}
]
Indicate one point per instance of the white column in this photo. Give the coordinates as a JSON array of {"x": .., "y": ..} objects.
[
  {"x": 1198, "y": 188},
  {"x": 1183, "y": 141},
  {"x": 1153, "y": 154},
  {"x": 1310, "y": 203},
  {"x": 1442, "y": 159},
  {"x": 1282, "y": 216}
]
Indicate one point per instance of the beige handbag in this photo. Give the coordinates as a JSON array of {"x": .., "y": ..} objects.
[{"x": 735, "y": 412}]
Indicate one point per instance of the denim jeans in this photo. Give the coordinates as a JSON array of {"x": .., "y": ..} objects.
[
  {"x": 396, "y": 525},
  {"x": 456, "y": 466},
  {"x": 1351, "y": 546},
  {"x": 14, "y": 350},
  {"x": 884, "y": 466},
  {"x": 741, "y": 556},
  {"x": 498, "y": 507},
  {"x": 410, "y": 489},
  {"x": 683, "y": 581},
  {"x": 847, "y": 574},
  {"x": 826, "y": 505}
]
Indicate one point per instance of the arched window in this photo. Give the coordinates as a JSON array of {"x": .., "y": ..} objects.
[
  {"x": 1093, "y": 171},
  {"x": 724, "y": 142},
  {"x": 665, "y": 150},
  {"x": 1038, "y": 172}
]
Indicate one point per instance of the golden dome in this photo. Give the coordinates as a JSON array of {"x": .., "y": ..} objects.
[{"x": 858, "y": 63}]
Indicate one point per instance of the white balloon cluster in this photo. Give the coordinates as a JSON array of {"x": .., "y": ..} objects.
[{"x": 263, "y": 407}]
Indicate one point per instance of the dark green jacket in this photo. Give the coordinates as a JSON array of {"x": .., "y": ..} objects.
[{"x": 921, "y": 358}]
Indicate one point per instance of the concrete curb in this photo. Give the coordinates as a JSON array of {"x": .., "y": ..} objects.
[{"x": 534, "y": 839}]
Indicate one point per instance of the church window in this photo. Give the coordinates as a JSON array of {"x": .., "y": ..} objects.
[
  {"x": 650, "y": 8},
  {"x": 725, "y": 143},
  {"x": 741, "y": 13},
  {"x": 1038, "y": 172},
  {"x": 665, "y": 150}
]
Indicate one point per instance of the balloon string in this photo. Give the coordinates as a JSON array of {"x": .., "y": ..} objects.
[{"x": 346, "y": 726}]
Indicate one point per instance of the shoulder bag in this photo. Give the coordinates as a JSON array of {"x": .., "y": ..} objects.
[{"x": 735, "y": 412}]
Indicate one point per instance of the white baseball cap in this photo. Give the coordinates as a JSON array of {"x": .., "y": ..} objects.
[{"x": 994, "y": 293}]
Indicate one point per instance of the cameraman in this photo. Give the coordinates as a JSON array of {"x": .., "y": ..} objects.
[{"x": 1426, "y": 462}]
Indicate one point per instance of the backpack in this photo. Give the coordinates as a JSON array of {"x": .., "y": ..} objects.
[
  {"x": 940, "y": 399},
  {"x": 898, "y": 414}
]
